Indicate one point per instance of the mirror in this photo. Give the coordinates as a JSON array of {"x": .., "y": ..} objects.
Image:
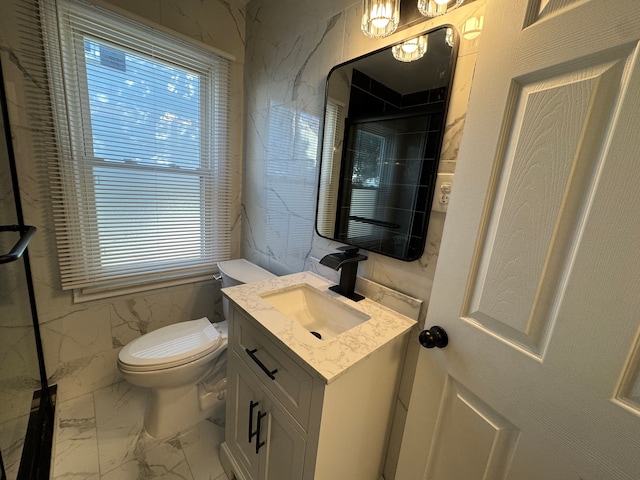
[{"x": 382, "y": 135}]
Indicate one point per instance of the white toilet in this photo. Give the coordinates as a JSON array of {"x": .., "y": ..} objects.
[{"x": 184, "y": 364}]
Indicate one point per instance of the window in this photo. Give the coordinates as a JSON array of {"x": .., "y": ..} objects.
[
  {"x": 141, "y": 186},
  {"x": 370, "y": 149},
  {"x": 330, "y": 167}
]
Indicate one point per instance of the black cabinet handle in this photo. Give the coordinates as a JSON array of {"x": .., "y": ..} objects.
[
  {"x": 260, "y": 364},
  {"x": 259, "y": 444},
  {"x": 252, "y": 405}
]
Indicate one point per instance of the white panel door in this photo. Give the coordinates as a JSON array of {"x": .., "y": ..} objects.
[{"x": 538, "y": 280}]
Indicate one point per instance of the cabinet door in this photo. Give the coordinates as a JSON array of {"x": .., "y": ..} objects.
[
  {"x": 263, "y": 437},
  {"x": 285, "y": 447},
  {"x": 246, "y": 400}
]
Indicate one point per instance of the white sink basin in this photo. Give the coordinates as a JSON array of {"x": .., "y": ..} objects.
[{"x": 324, "y": 316}]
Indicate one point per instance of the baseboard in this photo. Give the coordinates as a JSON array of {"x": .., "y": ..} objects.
[{"x": 229, "y": 465}]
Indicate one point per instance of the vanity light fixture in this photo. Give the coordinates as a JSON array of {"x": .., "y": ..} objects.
[
  {"x": 435, "y": 8},
  {"x": 410, "y": 50},
  {"x": 380, "y": 17}
]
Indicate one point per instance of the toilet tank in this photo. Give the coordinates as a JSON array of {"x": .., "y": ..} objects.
[{"x": 237, "y": 272}]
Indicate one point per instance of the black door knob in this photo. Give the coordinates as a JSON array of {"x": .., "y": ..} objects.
[{"x": 434, "y": 337}]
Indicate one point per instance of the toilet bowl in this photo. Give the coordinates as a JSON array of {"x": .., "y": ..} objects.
[{"x": 184, "y": 364}]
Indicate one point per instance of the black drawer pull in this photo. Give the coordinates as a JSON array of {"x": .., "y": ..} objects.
[
  {"x": 260, "y": 364},
  {"x": 252, "y": 405},
  {"x": 259, "y": 444}
]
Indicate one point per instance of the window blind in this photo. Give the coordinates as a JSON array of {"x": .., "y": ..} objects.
[
  {"x": 330, "y": 167},
  {"x": 140, "y": 179}
]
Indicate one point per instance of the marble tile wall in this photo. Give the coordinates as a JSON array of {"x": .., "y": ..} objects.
[
  {"x": 291, "y": 46},
  {"x": 81, "y": 341}
]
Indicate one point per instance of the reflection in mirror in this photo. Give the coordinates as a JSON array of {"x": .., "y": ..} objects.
[{"x": 383, "y": 129}]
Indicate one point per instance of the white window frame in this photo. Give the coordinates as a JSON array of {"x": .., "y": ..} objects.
[{"x": 75, "y": 211}]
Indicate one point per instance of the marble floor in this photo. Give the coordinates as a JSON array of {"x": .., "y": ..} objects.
[
  {"x": 100, "y": 436},
  {"x": 12, "y": 435}
]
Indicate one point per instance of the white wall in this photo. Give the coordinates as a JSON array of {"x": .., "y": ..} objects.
[
  {"x": 291, "y": 46},
  {"x": 81, "y": 341}
]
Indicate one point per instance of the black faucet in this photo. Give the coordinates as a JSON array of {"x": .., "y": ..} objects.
[{"x": 347, "y": 260}]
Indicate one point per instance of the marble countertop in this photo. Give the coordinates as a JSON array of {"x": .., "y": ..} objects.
[{"x": 332, "y": 357}]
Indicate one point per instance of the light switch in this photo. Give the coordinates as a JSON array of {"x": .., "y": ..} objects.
[{"x": 442, "y": 193}]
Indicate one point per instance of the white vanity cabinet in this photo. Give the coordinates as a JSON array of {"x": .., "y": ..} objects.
[{"x": 285, "y": 421}]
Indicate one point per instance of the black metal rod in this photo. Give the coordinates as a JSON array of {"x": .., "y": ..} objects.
[
  {"x": 26, "y": 233},
  {"x": 373, "y": 221},
  {"x": 3, "y": 474}
]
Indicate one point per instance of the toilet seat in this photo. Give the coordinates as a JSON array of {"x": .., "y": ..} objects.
[{"x": 172, "y": 346}]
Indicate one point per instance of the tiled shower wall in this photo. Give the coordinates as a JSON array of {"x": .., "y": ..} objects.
[{"x": 291, "y": 46}]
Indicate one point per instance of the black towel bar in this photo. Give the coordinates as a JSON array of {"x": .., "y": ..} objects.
[{"x": 26, "y": 232}]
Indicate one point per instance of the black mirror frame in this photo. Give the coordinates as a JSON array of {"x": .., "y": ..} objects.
[{"x": 452, "y": 67}]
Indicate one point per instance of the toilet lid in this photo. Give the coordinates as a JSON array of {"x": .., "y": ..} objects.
[{"x": 172, "y": 345}]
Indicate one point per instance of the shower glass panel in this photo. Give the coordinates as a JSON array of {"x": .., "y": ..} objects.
[
  {"x": 26, "y": 406},
  {"x": 19, "y": 372}
]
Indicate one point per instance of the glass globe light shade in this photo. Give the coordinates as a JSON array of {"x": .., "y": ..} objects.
[
  {"x": 380, "y": 17},
  {"x": 435, "y": 8},
  {"x": 410, "y": 50}
]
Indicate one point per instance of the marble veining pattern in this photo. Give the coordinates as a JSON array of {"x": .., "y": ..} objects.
[
  {"x": 100, "y": 436},
  {"x": 299, "y": 75},
  {"x": 332, "y": 357}
]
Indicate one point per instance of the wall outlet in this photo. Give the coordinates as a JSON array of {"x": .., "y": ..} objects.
[{"x": 442, "y": 193}]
